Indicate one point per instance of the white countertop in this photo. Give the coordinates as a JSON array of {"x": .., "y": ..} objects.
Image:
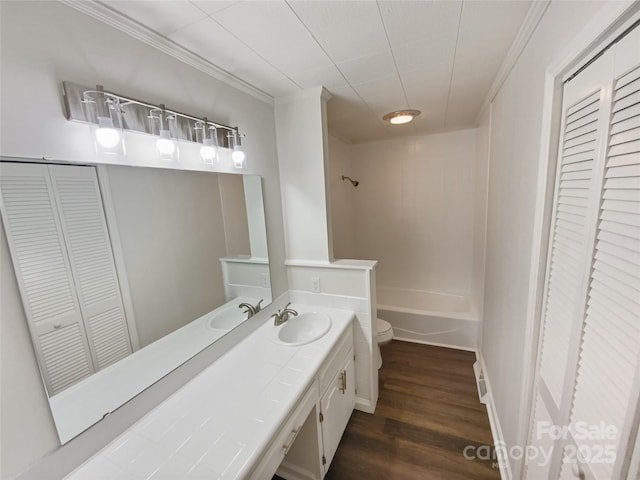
[
  {"x": 87, "y": 402},
  {"x": 219, "y": 424}
]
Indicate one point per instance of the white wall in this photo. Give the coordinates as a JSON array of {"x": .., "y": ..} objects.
[
  {"x": 515, "y": 148},
  {"x": 42, "y": 44},
  {"x": 302, "y": 153},
  {"x": 413, "y": 210},
  {"x": 342, "y": 196},
  {"x": 172, "y": 241}
]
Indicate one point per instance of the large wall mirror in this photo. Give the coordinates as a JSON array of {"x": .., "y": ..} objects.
[{"x": 125, "y": 273}]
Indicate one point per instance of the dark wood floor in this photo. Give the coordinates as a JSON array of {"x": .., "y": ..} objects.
[{"x": 428, "y": 412}]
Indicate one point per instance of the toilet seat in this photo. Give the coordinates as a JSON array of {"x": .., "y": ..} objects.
[{"x": 384, "y": 331}]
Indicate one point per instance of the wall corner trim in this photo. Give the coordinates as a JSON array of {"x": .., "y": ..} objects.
[{"x": 115, "y": 19}]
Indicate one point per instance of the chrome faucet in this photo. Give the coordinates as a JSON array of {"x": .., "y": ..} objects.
[
  {"x": 251, "y": 310},
  {"x": 283, "y": 315}
]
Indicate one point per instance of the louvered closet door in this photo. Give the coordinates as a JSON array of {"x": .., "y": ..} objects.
[
  {"x": 588, "y": 377},
  {"x": 608, "y": 379},
  {"x": 83, "y": 223},
  {"x": 585, "y": 117},
  {"x": 44, "y": 276}
]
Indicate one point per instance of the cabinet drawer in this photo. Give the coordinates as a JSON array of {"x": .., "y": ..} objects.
[
  {"x": 336, "y": 359},
  {"x": 283, "y": 440}
]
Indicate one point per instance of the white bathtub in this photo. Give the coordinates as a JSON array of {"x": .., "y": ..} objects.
[{"x": 429, "y": 317}]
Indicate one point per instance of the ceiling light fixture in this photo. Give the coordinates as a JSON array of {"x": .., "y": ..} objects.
[{"x": 401, "y": 116}]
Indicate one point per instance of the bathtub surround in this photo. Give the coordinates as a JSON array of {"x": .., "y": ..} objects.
[
  {"x": 37, "y": 39},
  {"x": 342, "y": 198},
  {"x": 416, "y": 211}
]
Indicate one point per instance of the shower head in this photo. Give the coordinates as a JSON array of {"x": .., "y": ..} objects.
[{"x": 355, "y": 183}]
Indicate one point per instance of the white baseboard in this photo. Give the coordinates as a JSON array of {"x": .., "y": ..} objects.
[
  {"x": 364, "y": 405},
  {"x": 496, "y": 430}
]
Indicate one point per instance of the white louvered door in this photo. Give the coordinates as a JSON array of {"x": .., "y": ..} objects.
[
  {"x": 589, "y": 367},
  {"x": 59, "y": 242},
  {"x": 87, "y": 238},
  {"x": 44, "y": 275}
]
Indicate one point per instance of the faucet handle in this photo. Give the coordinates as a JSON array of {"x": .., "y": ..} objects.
[{"x": 257, "y": 306}]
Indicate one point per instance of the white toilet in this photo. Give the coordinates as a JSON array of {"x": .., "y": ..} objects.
[{"x": 384, "y": 335}]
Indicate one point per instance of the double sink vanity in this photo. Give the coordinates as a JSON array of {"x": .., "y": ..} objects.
[{"x": 278, "y": 401}]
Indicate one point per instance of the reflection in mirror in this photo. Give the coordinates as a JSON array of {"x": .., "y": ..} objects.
[{"x": 126, "y": 273}]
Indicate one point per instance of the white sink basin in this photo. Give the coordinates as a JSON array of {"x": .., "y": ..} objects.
[
  {"x": 305, "y": 328},
  {"x": 227, "y": 319}
]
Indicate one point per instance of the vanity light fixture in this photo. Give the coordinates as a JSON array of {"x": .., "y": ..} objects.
[
  {"x": 238, "y": 155},
  {"x": 401, "y": 116},
  {"x": 110, "y": 115},
  {"x": 106, "y": 121},
  {"x": 207, "y": 135}
]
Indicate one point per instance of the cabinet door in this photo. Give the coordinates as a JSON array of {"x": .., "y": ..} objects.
[{"x": 336, "y": 404}]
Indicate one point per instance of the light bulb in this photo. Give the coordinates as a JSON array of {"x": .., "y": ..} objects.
[
  {"x": 238, "y": 157},
  {"x": 208, "y": 151},
  {"x": 400, "y": 119},
  {"x": 165, "y": 143},
  {"x": 106, "y": 135}
]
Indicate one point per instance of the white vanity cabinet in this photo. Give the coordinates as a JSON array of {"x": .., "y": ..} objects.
[{"x": 316, "y": 441}]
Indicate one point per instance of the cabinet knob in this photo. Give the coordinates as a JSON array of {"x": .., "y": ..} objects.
[{"x": 57, "y": 325}]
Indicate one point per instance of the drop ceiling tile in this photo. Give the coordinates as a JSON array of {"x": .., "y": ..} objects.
[
  {"x": 376, "y": 87},
  {"x": 368, "y": 68},
  {"x": 268, "y": 79},
  {"x": 212, "y": 6},
  {"x": 212, "y": 42},
  {"x": 385, "y": 103},
  {"x": 164, "y": 17},
  {"x": 432, "y": 75},
  {"x": 410, "y": 21},
  {"x": 461, "y": 115},
  {"x": 209, "y": 40},
  {"x": 345, "y": 29},
  {"x": 430, "y": 121},
  {"x": 356, "y": 130},
  {"x": 327, "y": 76},
  {"x": 273, "y": 31},
  {"x": 489, "y": 27},
  {"x": 422, "y": 53},
  {"x": 341, "y": 106}
]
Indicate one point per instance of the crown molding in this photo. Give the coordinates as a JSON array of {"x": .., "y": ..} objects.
[
  {"x": 111, "y": 17},
  {"x": 529, "y": 25}
]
